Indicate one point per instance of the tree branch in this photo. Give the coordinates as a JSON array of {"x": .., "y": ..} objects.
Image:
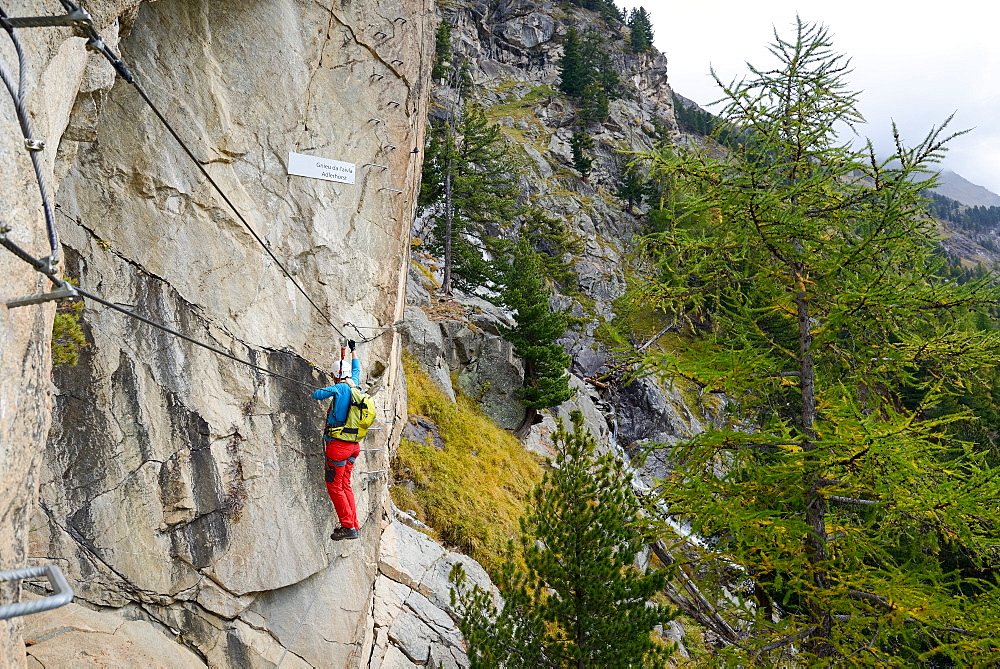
[{"x": 853, "y": 500}]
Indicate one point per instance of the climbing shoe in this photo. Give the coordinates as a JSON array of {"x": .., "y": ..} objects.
[{"x": 344, "y": 533}]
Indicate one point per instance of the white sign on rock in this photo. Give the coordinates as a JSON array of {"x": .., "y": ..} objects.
[{"x": 303, "y": 165}]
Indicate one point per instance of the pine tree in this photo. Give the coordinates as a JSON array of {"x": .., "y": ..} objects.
[
  {"x": 580, "y": 143},
  {"x": 442, "y": 51},
  {"x": 593, "y": 104},
  {"x": 469, "y": 174},
  {"x": 556, "y": 245},
  {"x": 572, "y": 77},
  {"x": 580, "y": 601},
  {"x": 633, "y": 187},
  {"x": 807, "y": 268},
  {"x": 546, "y": 383},
  {"x": 640, "y": 31}
]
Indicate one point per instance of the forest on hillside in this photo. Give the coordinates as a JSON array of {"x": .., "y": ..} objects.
[{"x": 848, "y": 511}]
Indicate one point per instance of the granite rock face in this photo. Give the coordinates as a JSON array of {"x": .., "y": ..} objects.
[
  {"x": 56, "y": 72},
  {"x": 180, "y": 489}
]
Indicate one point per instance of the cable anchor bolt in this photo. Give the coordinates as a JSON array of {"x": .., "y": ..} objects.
[
  {"x": 64, "y": 292},
  {"x": 34, "y": 144},
  {"x": 95, "y": 44},
  {"x": 77, "y": 18}
]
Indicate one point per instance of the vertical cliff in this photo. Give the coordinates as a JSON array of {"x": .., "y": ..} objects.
[
  {"x": 178, "y": 487},
  {"x": 55, "y": 69}
]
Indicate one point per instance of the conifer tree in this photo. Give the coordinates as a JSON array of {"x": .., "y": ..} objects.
[
  {"x": 640, "y": 30},
  {"x": 572, "y": 77},
  {"x": 546, "y": 383},
  {"x": 632, "y": 188},
  {"x": 580, "y": 600},
  {"x": 556, "y": 245},
  {"x": 580, "y": 143},
  {"x": 442, "y": 50},
  {"x": 593, "y": 104},
  {"x": 469, "y": 174},
  {"x": 807, "y": 267}
]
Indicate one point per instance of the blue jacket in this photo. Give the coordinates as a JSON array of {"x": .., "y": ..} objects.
[{"x": 342, "y": 394}]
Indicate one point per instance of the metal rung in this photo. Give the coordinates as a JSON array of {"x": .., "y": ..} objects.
[
  {"x": 62, "y": 594},
  {"x": 384, "y": 167},
  {"x": 393, "y": 190},
  {"x": 66, "y": 292},
  {"x": 374, "y": 472},
  {"x": 370, "y": 450},
  {"x": 77, "y": 18}
]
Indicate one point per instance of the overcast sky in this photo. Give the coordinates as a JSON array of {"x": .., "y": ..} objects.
[{"x": 915, "y": 63}]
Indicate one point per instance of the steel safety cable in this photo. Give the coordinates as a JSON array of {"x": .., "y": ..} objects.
[
  {"x": 209, "y": 347},
  {"x": 41, "y": 267},
  {"x": 96, "y": 43},
  {"x": 33, "y": 146},
  {"x": 364, "y": 339},
  {"x": 222, "y": 194}
]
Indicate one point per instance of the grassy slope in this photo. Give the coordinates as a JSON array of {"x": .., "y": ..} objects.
[{"x": 473, "y": 491}]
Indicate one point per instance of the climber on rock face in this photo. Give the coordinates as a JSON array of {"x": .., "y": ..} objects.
[{"x": 340, "y": 454}]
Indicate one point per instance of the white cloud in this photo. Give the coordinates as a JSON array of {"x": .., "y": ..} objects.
[{"x": 913, "y": 65}]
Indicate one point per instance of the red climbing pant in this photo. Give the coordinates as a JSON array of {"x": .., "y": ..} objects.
[{"x": 340, "y": 456}]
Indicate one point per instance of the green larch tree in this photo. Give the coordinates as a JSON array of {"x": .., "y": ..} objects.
[
  {"x": 579, "y": 600},
  {"x": 805, "y": 269}
]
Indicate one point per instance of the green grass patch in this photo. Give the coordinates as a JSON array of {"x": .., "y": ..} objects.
[
  {"x": 473, "y": 491},
  {"x": 67, "y": 333},
  {"x": 523, "y": 106}
]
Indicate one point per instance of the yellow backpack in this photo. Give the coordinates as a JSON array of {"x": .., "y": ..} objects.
[{"x": 360, "y": 416}]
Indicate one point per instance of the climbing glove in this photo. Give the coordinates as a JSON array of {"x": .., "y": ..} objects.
[{"x": 351, "y": 344}]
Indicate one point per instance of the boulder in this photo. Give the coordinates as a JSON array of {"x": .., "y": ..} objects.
[
  {"x": 422, "y": 337},
  {"x": 413, "y": 617}
]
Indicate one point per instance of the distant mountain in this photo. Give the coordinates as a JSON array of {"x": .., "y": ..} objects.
[{"x": 958, "y": 188}]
